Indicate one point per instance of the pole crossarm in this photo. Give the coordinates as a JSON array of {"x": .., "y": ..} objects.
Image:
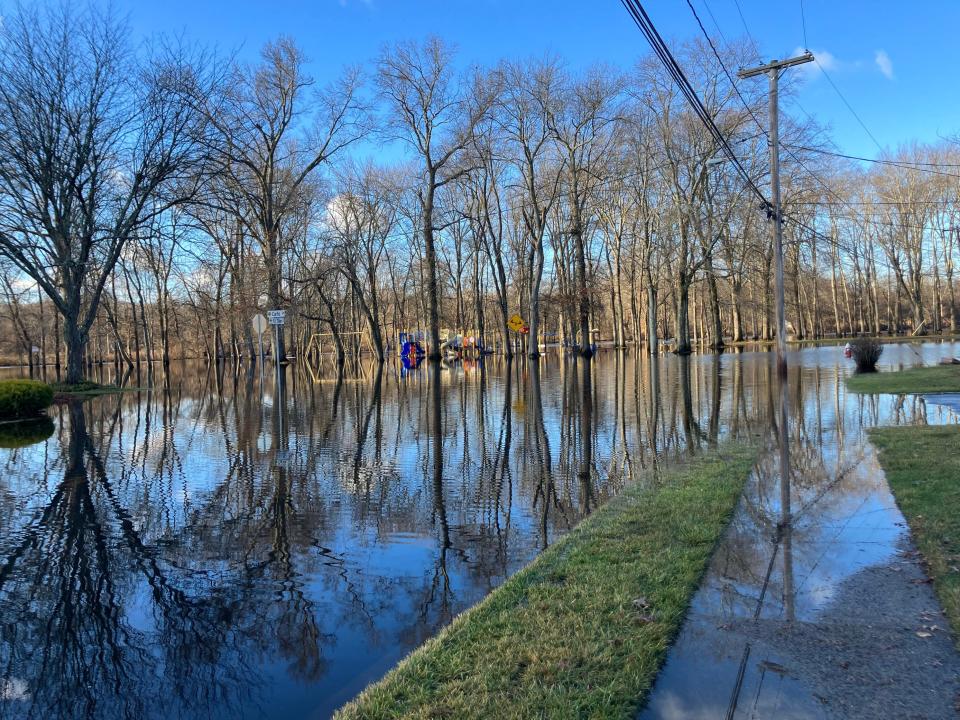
[{"x": 775, "y": 65}]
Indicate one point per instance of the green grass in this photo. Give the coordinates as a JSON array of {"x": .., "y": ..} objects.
[
  {"x": 936, "y": 379},
  {"x": 582, "y": 630},
  {"x": 923, "y": 468},
  {"x": 883, "y": 339},
  {"x": 84, "y": 389}
]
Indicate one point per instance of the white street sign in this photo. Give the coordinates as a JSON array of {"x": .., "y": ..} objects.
[
  {"x": 259, "y": 324},
  {"x": 277, "y": 317}
]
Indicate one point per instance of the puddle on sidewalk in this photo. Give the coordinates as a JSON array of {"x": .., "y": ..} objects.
[{"x": 803, "y": 599}]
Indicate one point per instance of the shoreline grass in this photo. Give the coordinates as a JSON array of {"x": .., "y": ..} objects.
[
  {"x": 837, "y": 341},
  {"x": 582, "y": 630},
  {"x": 935, "y": 379},
  {"x": 62, "y": 392},
  {"x": 923, "y": 468}
]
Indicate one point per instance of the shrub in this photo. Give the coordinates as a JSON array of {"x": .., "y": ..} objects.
[
  {"x": 866, "y": 352},
  {"x": 24, "y": 398},
  {"x": 25, "y": 432}
]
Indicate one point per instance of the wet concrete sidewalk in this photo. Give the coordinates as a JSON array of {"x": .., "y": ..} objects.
[{"x": 829, "y": 615}]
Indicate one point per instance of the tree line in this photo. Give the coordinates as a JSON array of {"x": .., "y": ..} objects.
[{"x": 154, "y": 197}]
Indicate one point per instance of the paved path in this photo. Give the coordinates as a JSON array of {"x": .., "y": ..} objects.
[{"x": 830, "y": 616}]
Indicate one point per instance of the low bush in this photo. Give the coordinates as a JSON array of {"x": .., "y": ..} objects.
[
  {"x": 25, "y": 432},
  {"x": 866, "y": 352},
  {"x": 24, "y": 398}
]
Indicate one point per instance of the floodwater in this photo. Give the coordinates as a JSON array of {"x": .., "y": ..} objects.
[{"x": 217, "y": 547}]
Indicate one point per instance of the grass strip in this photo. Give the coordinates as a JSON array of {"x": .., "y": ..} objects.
[
  {"x": 923, "y": 468},
  {"x": 936, "y": 379},
  {"x": 583, "y": 629},
  {"x": 64, "y": 392}
]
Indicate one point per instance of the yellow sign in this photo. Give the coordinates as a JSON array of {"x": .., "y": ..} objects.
[{"x": 516, "y": 323}]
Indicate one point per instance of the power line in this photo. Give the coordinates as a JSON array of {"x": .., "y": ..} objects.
[
  {"x": 803, "y": 20},
  {"x": 643, "y": 21},
  {"x": 661, "y": 50},
  {"x": 849, "y": 106},
  {"x": 743, "y": 20},
  {"x": 941, "y": 201},
  {"x": 715, "y": 23},
  {"x": 905, "y": 164},
  {"x": 793, "y": 155},
  {"x": 663, "y": 53}
]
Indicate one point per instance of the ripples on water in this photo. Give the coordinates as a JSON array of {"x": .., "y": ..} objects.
[{"x": 220, "y": 549}]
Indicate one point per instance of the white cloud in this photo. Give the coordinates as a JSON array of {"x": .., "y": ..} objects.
[
  {"x": 825, "y": 60},
  {"x": 884, "y": 63}
]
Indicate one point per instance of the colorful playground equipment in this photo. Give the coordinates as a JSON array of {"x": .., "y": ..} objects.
[
  {"x": 468, "y": 345},
  {"x": 411, "y": 349},
  {"x": 454, "y": 346}
]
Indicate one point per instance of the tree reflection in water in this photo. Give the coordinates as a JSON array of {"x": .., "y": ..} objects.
[{"x": 219, "y": 548}]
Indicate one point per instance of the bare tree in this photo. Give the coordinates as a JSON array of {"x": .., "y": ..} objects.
[
  {"x": 527, "y": 104},
  {"x": 435, "y": 111},
  {"x": 274, "y": 138},
  {"x": 94, "y": 143},
  {"x": 582, "y": 119},
  {"x": 362, "y": 217}
]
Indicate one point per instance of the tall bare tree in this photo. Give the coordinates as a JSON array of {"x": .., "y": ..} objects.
[
  {"x": 434, "y": 110},
  {"x": 275, "y": 135},
  {"x": 94, "y": 143}
]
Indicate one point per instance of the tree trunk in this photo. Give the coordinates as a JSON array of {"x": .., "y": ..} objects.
[
  {"x": 716, "y": 329},
  {"x": 431, "y": 256},
  {"x": 652, "y": 341},
  {"x": 586, "y": 346},
  {"x": 535, "y": 279},
  {"x": 75, "y": 341},
  {"x": 683, "y": 317}
]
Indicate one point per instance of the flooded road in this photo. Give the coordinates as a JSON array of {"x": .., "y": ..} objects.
[{"x": 215, "y": 547}]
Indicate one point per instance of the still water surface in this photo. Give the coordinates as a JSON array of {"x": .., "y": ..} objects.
[{"x": 217, "y": 548}]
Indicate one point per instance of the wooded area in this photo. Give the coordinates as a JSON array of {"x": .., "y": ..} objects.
[{"x": 152, "y": 200}]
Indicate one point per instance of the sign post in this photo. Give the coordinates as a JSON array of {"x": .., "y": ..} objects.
[
  {"x": 516, "y": 323},
  {"x": 260, "y": 327},
  {"x": 277, "y": 318}
]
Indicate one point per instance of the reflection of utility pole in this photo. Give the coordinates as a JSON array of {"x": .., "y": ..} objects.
[{"x": 772, "y": 70}]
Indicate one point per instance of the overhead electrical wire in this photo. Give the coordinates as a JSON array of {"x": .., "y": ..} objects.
[
  {"x": 661, "y": 50},
  {"x": 803, "y": 20},
  {"x": 849, "y": 106},
  {"x": 645, "y": 24},
  {"x": 793, "y": 155},
  {"x": 905, "y": 164}
]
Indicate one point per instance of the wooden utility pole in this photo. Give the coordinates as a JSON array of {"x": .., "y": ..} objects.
[
  {"x": 772, "y": 71},
  {"x": 785, "y": 526}
]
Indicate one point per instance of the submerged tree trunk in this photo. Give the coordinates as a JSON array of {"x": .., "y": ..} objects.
[{"x": 683, "y": 317}]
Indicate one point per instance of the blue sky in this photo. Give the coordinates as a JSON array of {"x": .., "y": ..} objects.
[{"x": 893, "y": 62}]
